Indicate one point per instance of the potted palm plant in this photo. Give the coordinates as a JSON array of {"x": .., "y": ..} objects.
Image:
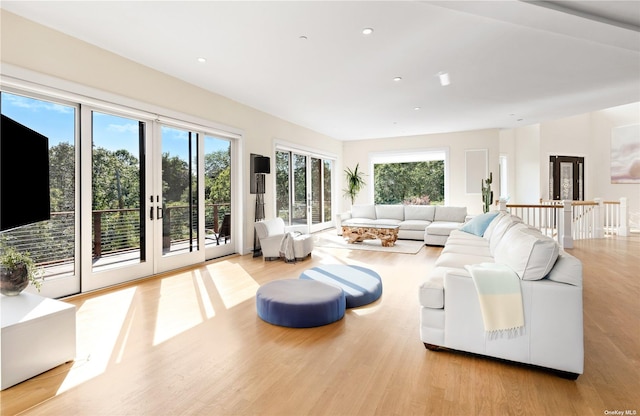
[
  {"x": 355, "y": 182},
  {"x": 17, "y": 270}
]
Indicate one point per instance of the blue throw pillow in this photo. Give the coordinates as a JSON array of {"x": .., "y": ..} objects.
[{"x": 477, "y": 225}]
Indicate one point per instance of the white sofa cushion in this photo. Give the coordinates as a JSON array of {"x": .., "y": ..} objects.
[
  {"x": 419, "y": 212},
  {"x": 459, "y": 260},
  {"x": 363, "y": 211},
  {"x": 499, "y": 229},
  {"x": 416, "y": 225},
  {"x": 529, "y": 253},
  {"x": 567, "y": 269},
  {"x": 385, "y": 221},
  {"x": 450, "y": 214},
  {"x": 392, "y": 212},
  {"x": 431, "y": 290},
  {"x": 442, "y": 227},
  {"x": 492, "y": 225}
]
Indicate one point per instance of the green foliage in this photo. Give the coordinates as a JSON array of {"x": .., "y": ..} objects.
[
  {"x": 62, "y": 178},
  {"x": 282, "y": 185},
  {"x": 12, "y": 260},
  {"x": 116, "y": 179},
  {"x": 355, "y": 182},
  {"x": 175, "y": 178},
  {"x": 217, "y": 172},
  {"x": 397, "y": 183}
]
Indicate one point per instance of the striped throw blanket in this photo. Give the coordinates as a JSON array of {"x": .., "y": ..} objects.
[{"x": 500, "y": 299}]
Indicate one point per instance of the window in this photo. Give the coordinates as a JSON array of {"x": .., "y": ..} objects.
[
  {"x": 303, "y": 188},
  {"x": 417, "y": 178}
]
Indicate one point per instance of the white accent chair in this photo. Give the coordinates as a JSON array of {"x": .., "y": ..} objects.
[{"x": 272, "y": 232}]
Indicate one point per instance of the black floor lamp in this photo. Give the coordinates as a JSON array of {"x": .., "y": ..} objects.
[{"x": 260, "y": 166}]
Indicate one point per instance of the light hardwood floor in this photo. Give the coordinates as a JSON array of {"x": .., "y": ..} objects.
[{"x": 190, "y": 343}]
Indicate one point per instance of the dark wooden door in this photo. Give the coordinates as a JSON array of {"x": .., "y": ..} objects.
[{"x": 566, "y": 178}]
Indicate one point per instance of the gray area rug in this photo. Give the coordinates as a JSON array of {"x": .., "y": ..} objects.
[{"x": 330, "y": 239}]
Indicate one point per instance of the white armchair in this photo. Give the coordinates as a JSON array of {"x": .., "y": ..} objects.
[{"x": 272, "y": 232}]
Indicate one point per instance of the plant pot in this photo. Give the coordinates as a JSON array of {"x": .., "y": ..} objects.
[{"x": 14, "y": 281}]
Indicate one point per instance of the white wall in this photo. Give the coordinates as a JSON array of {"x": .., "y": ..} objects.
[
  {"x": 31, "y": 46},
  {"x": 585, "y": 135},
  {"x": 602, "y": 123},
  {"x": 565, "y": 137},
  {"x": 360, "y": 152},
  {"x": 508, "y": 149}
]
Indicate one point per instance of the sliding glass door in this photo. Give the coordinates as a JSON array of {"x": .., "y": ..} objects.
[
  {"x": 303, "y": 189},
  {"x": 115, "y": 181},
  {"x": 132, "y": 194}
]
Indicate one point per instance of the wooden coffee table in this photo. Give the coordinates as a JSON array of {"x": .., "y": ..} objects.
[{"x": 387, "y": 234}]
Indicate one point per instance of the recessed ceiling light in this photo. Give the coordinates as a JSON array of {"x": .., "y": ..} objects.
[
  {"x": 416, "y": 108},
  {"x": 202, "y": 60},
  {"x": 444, "y": 78},
  {"x": 303, "y": 37},
  {"x": 397, "y": 79},
  {"x": 367, "y": 31}
]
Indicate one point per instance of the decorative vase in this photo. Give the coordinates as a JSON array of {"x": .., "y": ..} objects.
[{"x": 13, "y": 281}]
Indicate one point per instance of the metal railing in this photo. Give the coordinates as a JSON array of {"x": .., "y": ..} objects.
[{"x": 52, "y": 242}]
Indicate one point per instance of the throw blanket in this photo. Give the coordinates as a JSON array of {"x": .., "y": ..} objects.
[
  {"x": 500, "y": 299},
  {"x": 286, "y": 248}
]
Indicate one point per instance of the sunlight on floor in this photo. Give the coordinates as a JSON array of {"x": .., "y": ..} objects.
[
  {"x": 367, "y": 309},
  {"x": 105, "y": 329},
  {"x": 178, "y": 307},
  {"x": 234, "y": 284},
  {"x": 204, "y": 297}
]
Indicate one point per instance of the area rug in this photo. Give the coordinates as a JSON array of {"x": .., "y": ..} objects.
[{"x": 330, "y": 239}]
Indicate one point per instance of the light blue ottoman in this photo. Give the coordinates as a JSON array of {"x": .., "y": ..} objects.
[
  {"x": 299, "y": 303},
  {"x": 361, "y": 285}
]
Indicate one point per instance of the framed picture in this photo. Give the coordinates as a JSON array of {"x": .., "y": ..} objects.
[{"x": 625, "y": 154}]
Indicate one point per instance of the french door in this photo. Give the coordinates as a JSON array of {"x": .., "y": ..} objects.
[
  {"x": 132, "y": 193},
  {"x": 147, "y": 193},
  {"x": 304, "y": 189}
]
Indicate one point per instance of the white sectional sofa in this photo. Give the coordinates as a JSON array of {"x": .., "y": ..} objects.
[
  {"x": 550, "y": 285},
  {"x": 431, "y": 223}
]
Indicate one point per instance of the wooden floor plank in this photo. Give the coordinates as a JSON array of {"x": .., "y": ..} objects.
[{"x": 190, "y": 342}]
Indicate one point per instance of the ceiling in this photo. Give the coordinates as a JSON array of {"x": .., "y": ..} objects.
[{"x": 511, "y": 63}]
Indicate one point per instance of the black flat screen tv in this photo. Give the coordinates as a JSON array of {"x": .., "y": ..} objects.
[{"x": 24, "y": 175}]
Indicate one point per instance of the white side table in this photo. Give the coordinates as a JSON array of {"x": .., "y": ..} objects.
[{"x": 37, "y": 335}]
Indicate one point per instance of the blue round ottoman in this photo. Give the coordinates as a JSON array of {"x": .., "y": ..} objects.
[
  {"x": 299, "y": 303},
  {"x": 361, "y": 285}
]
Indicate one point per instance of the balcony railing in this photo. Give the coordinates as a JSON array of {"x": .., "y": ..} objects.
[
  {"x": 51, "y": 243},
  {"x": 574, "y": 220}
]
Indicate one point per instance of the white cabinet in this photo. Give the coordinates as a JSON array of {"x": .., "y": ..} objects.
[{"x": 37, "y": 335}]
